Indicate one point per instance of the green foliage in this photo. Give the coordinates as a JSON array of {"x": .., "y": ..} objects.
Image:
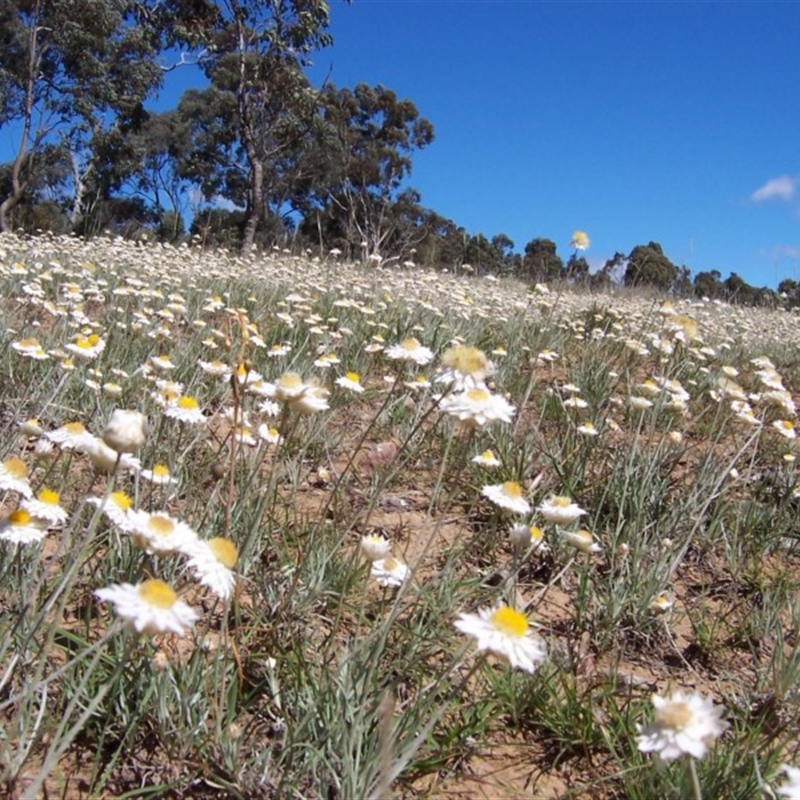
[
  {"x": 648, "y": 266},
  {"x": 75, "y": 75},
  {"x": 540, "y": 262}
]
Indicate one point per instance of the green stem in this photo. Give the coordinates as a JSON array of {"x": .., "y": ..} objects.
[{"x": 698, "y": 792}]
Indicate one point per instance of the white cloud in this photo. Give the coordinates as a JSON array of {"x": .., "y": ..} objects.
[
  {"x": 781, "y": 188},
  {"x": 786, "y": 251}
]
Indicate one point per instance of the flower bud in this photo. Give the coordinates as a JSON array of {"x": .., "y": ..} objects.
[{"x": 125, "y": 430}]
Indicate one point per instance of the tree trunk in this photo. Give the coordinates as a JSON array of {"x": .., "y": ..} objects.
[
  {"x": 255, "y": 208},
  {"x": 24, "y": 156}
]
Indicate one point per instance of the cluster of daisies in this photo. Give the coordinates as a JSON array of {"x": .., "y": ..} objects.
[{"x": 151, "y": 606}]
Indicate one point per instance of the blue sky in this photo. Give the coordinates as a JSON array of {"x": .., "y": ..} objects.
[{"x": 676, "y": 122}]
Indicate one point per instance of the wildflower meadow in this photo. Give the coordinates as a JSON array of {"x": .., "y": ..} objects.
[{"x": 278, "y": 526}]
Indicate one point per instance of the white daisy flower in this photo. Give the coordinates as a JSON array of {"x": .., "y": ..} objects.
[
  {"x": 162, "y": 362},
  {"x": 475, "y": 407},
  {"x": 218, "y": 369},
  {"x": 305, "y": 398},
  {"x": 546, "y": 357},
  {"x": 14, "y": 477},
  {"x": 506, "y": 633},
  {"x": 20, "y": 527},
  {"x": 268, "y": 434},
  {"x": 486, "y": 459},
  {"x": 161, "y": 534},
  {"x": 159, "y": 475},
  {"x": 685, "y": 724},
  {"x": 269, "y": 408},
  {"x": 581, "y": 540},
  {"x": 375, "y": 547},
  {"x": 410, "y": 350},
  {"x": 524, "y": 537},
  {"x": 575, "y": 402},
  {"x": 785, "y": 427},
  {"x": 660, "y": 605},
  {"x": 351, "y": 381},
  {"x": 640, "y": 403},
  {"x": 213, "y": 562},
  {"x": 791, "y": 788},
  {"x": 71, "y": 436},
  {"x": 465, "y": 368},
  {"x": 87, "y": 347},
  {"x": 28, "y": 347},
  {"x": 150, "y": 607},
  {"x": 560, "y": 510},
  {"x": 46, "y": 507},
  {"x": 186, "y": 409},
  {"x": 588, "y": 429},
  {"x": 117, "y": 509},
  {"x": 31, "y": 427},
  {"x": 580, "y": 241},
  {"x": 389, "y": 571},
  {"x": 261, "y": 388},
  {"x": 104, "y": 459},
  {"x": 507, "y": 495},
  {"x": 420, "y": 382}
]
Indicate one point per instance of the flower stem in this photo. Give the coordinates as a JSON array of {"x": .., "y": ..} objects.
[{"x": 698, "y": 792}]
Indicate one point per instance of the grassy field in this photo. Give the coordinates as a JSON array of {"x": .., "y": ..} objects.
[{"x": 385, "y": 533}]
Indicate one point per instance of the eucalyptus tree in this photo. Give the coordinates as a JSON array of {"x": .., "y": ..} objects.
[
  {"x": 541, "y": 261},
  {"x": 247, "y": 125},
  {"x": 363, "y": 159},
  {"x": 74, "y": 75}
]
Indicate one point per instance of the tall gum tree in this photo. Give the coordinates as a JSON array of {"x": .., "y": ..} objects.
[
  {"x": 73, "y": 73},
  {"x": 255, "y": 56}
]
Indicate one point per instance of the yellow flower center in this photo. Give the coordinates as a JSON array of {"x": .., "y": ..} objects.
[
  {"x": 93, "y": 340},
  {"x": 353, "y": 376},
  {"x": 121, "y": 500},
  {"x": 74, "y": 428},
  {"x": 187, "y": 403},
  {"x": 49, "y": 496},
  {"x": 510, "y": 622},
  {"x": 674, "y": 715},
  {"x": 225, "y": 551},
  {"x": 512, "y": 489},
  {"x": 409, "y": 344},
  {"x": 19, "y": 517},
  {"x": 15, "y": 467},
  {"x": 478, "y": 395},
  {"x": 161, "y": 526},
  {"x": 487, "y": 455},
  {"x": 290, "y": 380},
  {"x": 464, "y": 359},
  {"x": 561, "y": 501},
  {"x": 156, "y": 593},
  {"x": 84, "y": 344},
  {"x": 537, "y": 534},
  {"x": 160, "y": 471},
  {"x": 390, "y": 563}
]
